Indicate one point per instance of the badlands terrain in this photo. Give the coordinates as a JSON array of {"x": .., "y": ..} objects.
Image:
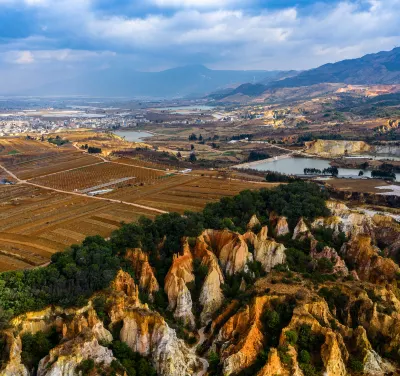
[{"x": 277, "y": 281}]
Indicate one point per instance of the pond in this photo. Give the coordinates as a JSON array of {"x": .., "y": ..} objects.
[
  {"x": 133, "y": 136},
  {"x": 296, "y": 166}
]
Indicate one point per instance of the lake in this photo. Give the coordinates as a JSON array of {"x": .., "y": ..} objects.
[
  {"x": 295, "y": 166},
  {"x": 133, "y": 136}
]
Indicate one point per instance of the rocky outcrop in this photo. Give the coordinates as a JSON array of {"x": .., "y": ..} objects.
[
  {"x": 253, "y": 222},
  {"x": 349, "y": 222},
  {"x": 66, "y": 357},
  {"x": 242, "y": 337},
  {"x": 147, "y": 333},
  {"x": 279, "y": 224},
  {"x": 268, "y": 252},
  {"x": 370, "y": 266},
  {"x": 372, "y": 361},
  {"x": 14, "y": 366},
  {"x": 333, "y": 148},
  {"x": 229, "y": 247},
  {"x": 179, "y": 274},
  {"x": 339, "y": 266},
  {"x": 211, "y": 296},
  {"x": 143, "y": 271},
  {"x": 274, "y": 366},
  {"x": 301, "y": 231}
]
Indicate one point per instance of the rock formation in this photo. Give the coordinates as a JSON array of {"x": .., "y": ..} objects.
[
  {"x": 268, "y": 251},
  {"x": 211, "y": 296},
  {"x": 339, "y": 266},
  {"x": 253, "y": 222},
  {"x": 333, "y": 148},
  {"x": 242, "y": 337},
  {"x": 143, "y": 271},
  {"x": 65, "y": 358},
  {"x": 350, "y": 222},
  {"x": 229, "y": 247},
  {"x": 301, "y": 231},
  {"x": 175, "y": 286},
  {"x": 370, "y": 266},
  {"x": 279, "y": 224},
  {"x": 147, "y": 333}
]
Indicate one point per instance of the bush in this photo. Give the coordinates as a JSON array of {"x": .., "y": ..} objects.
[
  {"x": 304, "y": 356},
  {"x": 85, "y": 366},
  {"x": 133, "y": 363},
  {"x": 37, "y": 346},
  {"x": 291, "y": 336},
  {"x": 355, "y": 365}
]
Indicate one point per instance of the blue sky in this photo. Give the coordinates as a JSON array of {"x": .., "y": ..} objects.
[{"x": 42, "y": 40}]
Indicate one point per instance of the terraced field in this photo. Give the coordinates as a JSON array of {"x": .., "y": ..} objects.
[
  {"x": 35, "y": 223},
  {"x": 184, "y": 192},
  {"x": 97, "y": 174}
]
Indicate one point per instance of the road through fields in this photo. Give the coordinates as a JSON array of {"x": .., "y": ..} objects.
[{"x": 80, "y": 194}]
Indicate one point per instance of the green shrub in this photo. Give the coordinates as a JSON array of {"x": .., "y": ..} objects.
[
  {"x": 304, "y": 356},
  {"x": 355, "y": 365},
  {"x": 291, "y": 336},
  {"x": 85, "y": 366}
]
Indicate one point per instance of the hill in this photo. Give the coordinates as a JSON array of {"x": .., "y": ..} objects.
[{"x": 380, "y": 68}]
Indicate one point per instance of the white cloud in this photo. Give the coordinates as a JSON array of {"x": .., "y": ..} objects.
[
  {"x": 215, "y": 32},
  {"x": 25, "y": 57},
  {"x": 194, "y": 3},
  {"x": 54, "y": 56}
]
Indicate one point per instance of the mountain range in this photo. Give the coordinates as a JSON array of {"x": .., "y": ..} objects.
[
  {"x": 382, "y": 68},
  {"x": 198, "y": 80}
]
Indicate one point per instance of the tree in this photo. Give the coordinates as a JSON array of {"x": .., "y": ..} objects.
[{"x": 94, "y": 150}]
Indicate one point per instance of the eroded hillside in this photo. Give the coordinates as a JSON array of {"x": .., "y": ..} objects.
[{"x": 279, "y": 282}]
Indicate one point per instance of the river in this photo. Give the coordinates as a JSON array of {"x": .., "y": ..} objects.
[
  {"x": 296, "y": 166},
  {"x": 133, "y": 136}
]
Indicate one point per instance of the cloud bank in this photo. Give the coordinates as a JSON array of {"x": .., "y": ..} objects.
[{"x": 55, "y": 36}]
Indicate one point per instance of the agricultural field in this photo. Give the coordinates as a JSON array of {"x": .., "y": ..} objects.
[
  {"x": 28, "y": 166},
  {"x": 179, "y": 193},
  {"x": 20, "y": 145},
  {"x": 35, "y": 223},
  {"x": 97, "y": 174}
]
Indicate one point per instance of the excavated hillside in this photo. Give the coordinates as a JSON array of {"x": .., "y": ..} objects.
[{"x": 320, "y": 298}]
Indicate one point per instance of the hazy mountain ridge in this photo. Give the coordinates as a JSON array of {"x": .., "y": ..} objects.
[{"x": 175, "y": 82}]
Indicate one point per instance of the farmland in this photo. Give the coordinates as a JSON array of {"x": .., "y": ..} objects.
[
  {"x": 47, "y": 210},
  {"x": 183, "y": 192},
  {"x": 97, "y": 174},
  {"x": 35, "y": 223},
  {"x": 28, "y": 166},
  {"x": 19, "y": 145}
]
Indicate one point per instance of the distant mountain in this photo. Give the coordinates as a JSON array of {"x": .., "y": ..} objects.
[
  {"x": 379, "y": 68},
  {"x": 251, "y": 90},
  {"x": 176, "y": 82}
]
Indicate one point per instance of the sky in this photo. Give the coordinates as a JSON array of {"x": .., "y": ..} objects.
[{"x": 42, "y": 40}]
